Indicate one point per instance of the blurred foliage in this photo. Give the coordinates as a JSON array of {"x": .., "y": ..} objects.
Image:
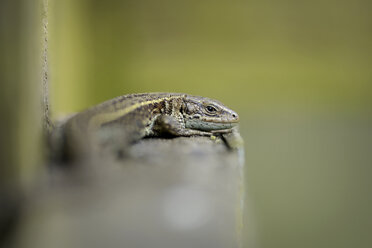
[
  {"x": 264, "y": 52},
  {"x": 297, "y": 72}
]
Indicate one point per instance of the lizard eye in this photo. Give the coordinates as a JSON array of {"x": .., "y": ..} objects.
[{"x": 211, "y": 109}]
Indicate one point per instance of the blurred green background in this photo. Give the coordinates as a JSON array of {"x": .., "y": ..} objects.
[{"x": 298, "y": 73}]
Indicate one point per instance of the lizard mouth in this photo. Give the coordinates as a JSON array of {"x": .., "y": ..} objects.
[
  {"x": 209, "y": 125},
  {"x": 234, "y": 118},
  {"x": 221, "y": 121}
]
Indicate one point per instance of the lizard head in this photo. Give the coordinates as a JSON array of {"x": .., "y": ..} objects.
[{"x": 206, "y": 114}]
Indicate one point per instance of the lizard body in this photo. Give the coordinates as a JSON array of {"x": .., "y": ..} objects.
[{"x": 131, "y": 117}]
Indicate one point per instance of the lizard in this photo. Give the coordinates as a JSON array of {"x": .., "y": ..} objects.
[{"x": 129, "y": 118}]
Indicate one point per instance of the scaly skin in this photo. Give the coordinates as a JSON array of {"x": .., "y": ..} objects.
[{"x": 128, "y": 118}]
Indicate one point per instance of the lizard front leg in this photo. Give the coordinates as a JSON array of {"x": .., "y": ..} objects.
[{"x": 166, "y": 124}]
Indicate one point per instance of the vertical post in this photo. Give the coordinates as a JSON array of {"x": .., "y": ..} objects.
[
  {"x": 20, "y": 128},
  {"x": 47, "y": 123}
]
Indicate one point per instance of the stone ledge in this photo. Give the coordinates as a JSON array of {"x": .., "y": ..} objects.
[{"x": 181, "y": 192}]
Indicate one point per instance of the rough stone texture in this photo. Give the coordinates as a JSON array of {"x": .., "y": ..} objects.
[
  {"x": 181, "y": 192},
  {"x": 47, "y": 123}
]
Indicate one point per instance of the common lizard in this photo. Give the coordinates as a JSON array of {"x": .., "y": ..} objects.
[{"x": 128, "y": 118}]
